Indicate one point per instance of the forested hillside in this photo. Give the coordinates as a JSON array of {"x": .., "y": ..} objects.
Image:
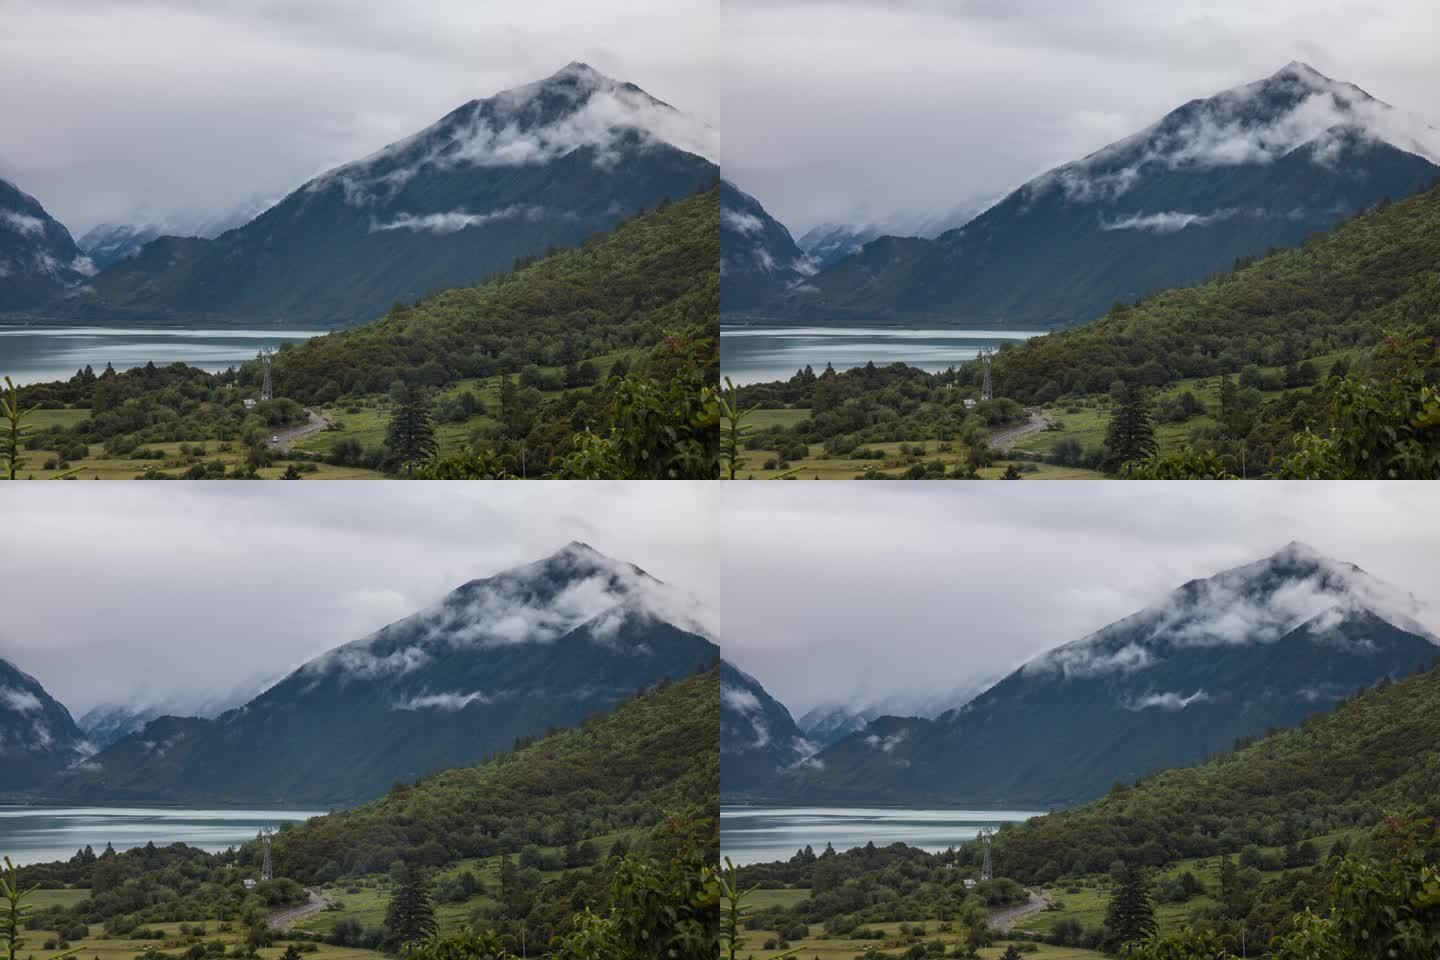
[
  {"x": 1376, "y": 753},
  {"x": 622, "y": 290},
  {"x": 652, "y": 755},
  {"x": 1378, "y": 271}
]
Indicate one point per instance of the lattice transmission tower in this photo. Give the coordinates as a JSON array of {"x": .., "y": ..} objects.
[
  {"x": 987, "y": 392},
  {"x": 267, "y": 867},
  {"x": 987, "y": 871},
  {"x": 267, "y": 391}
]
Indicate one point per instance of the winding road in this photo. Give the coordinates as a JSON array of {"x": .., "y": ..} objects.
[
  {"x": 1002, "y": 440},
  {"x": 1000, "y": 920},
  {"x": 314, "y": 424},
  {"x": 281, "y": 920}
]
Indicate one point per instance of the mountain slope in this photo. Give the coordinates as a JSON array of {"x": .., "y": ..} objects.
[
  {"x": 758, "y": 737},
  {"x": 649, "y": 756},
  {"x": 1376, "y": 753},
  {"x": 758, "y": 257},
  {"x": 1260, "y": 646},
  {"x": 37, "y": 735},
  {"x": 541, "y": 166},
  {"x": 543, "y": 645},
  {"x": 109, "y": 243},
  {"x": 1375, "y": 273},
  {"x": 38, "y": 258},
  {"x": 653, "y": 274},
  {"x": 1259, "y": 166}
]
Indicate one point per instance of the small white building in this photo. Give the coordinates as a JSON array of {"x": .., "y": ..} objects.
[
  {"x": 969, "y": 402},
  {"x": 969, "y": 883},
  {"x": 250, "y": 884},
  {"x": 248, "y": 403}
]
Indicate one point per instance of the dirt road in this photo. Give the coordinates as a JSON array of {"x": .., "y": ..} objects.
[
  {"x": 1003, "y": 439},
  {"x": 281, "y": 920},
  {"x": 283, "y": 438},
  {"x": 1000, "y": 920}
]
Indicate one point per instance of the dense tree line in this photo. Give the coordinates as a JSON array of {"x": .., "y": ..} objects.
[
  {"x": 620, "y": 771},
  {"x": 872, "y": 885},
  {"x": 619, "y": 291},
  {"x": 1339, "y": 290}
]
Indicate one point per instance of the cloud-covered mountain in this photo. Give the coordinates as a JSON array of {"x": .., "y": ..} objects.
[
  {"x": 38, "y": 258},
  {"x": 1258, "y": 166},
  {"x": 544, "y": 165},
  {"x": 758, "y": 257},
  {"x": 1259, "y": 646},
  {"x": 110, "y": 723},
  {"x": 758, "y": 737},
  {"x": 109, "y": 243},
  {"x": 830, "y": 723},
  {"x": 37, "y": 734},
  {"x": 540, "y": 646},
  {"x": 830, "y": 243}
]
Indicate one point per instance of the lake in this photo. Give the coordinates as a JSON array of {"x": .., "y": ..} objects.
[
  {"x": 38, "y": 352},
  {"x": 43, "y": 834},
  {"x": 760, "y": 354},
  {"x": 753, "y": 834}
]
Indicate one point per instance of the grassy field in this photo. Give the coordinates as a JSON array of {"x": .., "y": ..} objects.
[
  {"x": 364, "y": 420},
  {"x": 367, "y": 900},
  {"x": 1084, "y": 421},
  {"x": 818, "y": 947},
  {"x": 123, "y": 948}
]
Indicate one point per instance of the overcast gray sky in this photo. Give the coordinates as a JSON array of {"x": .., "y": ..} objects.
[
  {"x": 836, "y": 592},
  {"x": 127, "y": 592},
  {"x": 118, "y": 108},
  {"x": 855, "y": 110}
]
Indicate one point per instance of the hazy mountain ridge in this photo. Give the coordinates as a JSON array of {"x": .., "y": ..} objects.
[
  {"x": 1231, "y": 656},
  {"x": 544, "y": 165},
  {"x": 38, "y": 257},
  {"x": 1258, "y": 166},
  {"x": 758, "y": 256},
  {"x": 37, "y": 734},
  {"x": 758, "y": 737},
  {"x": 544, "y": 645}
]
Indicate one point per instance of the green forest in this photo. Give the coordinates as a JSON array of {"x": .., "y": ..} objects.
[
  {"x": 594, "y": 362},
  {"x": 1317, "y": 362},
  {"x": 609, "y": 820}
]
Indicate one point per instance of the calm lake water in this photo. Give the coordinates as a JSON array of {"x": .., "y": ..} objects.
[
  {"x": 759, "y": 354},
  {"x": 43, "y": 834},
  {"x": 37, "y": 353},
  {"x": 762, "y": 834}
]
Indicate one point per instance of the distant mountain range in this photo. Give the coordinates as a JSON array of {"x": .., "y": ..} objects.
[
  {"x": 1258, "y": 166},
  {"x": 109, "y": 243},
  {"x": 830, "y": 243},
  {"x": 110, "y": 723},
  {"x": 540, "y": 646},
  {"x": 530, "y": 169},
  {"x": 38, "y": 737},
  {"x": 38, "y": 258},
  {"x": 758, "y": 258},
  {"x": 1228, "y": 657}
]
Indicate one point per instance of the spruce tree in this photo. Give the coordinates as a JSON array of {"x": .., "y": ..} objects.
[
  {"x": 1130, "y": 918},
  {"x": 411, "y": 434},
  {"x": 410, "y": 918},
  {"x": 1131, "y": 435}
]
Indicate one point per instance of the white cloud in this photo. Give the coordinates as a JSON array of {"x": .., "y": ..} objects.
[
  {"x": 1168, "y": 221},
  {"x": 1169, "y": 700},
  {"x": 455, "y": 220},
  {"x": 742, "y": 222},
  {"x": 22, "y": 222},
  {"x": 740, "y": 699},
  {"x": 513, "y": 128},
  {"x": 448, "y": 702},
  {"x": 21, "y": 700},
  {"x": 887, "y": 744}
]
